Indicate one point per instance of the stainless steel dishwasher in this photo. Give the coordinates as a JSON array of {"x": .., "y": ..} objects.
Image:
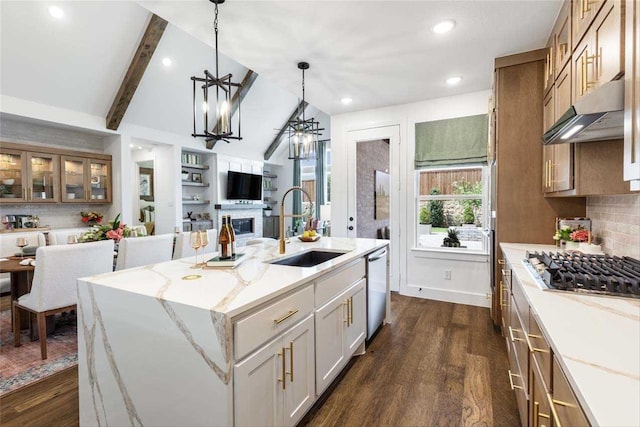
[{"x": 377, "y": 279}]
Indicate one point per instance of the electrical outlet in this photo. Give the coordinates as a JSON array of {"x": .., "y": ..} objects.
[{"x": 447, "y": 275}]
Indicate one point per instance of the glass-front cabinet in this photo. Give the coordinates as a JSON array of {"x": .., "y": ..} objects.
[
  {"x": 29, "y": 177},
  {"x": 13, "y": 167},
  {"x": 43, "y": 176},
  {"x": 85, "y": 180}
]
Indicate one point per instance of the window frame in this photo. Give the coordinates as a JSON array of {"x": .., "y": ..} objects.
[{"x": 485, "y": 206}]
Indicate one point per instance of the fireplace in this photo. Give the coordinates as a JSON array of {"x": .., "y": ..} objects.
[{"x": 242, "y": 226}]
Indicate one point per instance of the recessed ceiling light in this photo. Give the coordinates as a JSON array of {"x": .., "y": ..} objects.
[
  {"x": 166, "y": 62},
  {"x": 131, "y": 145},
  {"x": 452, "y": 81},
  {"x": 56, "y": 12},
  {"x": 346, "y": 101},
  {"x": 443, "y": 27}
]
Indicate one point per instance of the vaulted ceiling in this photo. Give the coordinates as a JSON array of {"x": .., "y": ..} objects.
[{"x": 378, "y": 53}]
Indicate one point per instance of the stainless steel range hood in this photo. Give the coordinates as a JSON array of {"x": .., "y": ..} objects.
[{"x": 597, "y": 116}]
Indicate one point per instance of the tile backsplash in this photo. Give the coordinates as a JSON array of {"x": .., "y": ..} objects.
[
  {"x": 616, "y": 223},
  {"x": 55, "y": 216}
]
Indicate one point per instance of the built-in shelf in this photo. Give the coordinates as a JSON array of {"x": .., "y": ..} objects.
[
  {"x": 270, "y": 202},
  {"x": 194, "y": 184},
  {"x": 270, "y": 189},
  {"x": 239, "y": 206},
  {"x": 196, "y": 202},
  {"x": 195, "y": 166},
  {"x": 269, "y": 175}
]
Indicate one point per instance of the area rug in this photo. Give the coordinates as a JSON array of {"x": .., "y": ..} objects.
[{"x": 22, "y": 365}]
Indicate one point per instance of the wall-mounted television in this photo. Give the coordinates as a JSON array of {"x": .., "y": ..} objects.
[{"x": 244, "y": 186}]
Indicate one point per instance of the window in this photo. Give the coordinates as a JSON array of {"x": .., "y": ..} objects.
[{"x": 452, "y": 208}]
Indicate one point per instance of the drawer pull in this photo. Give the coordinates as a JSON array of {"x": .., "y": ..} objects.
[
  {"x": 350, "y": 310},
  {"x": 286, "y": 316},
  {"x": 514, "y": 339},
  {"x": 501, "y": 261},
  {"x": 284, "y": 368},
  {"x": 562, "y": 403},
  {"x": 513, "y": 386},
  {"x": 347, "y": 304},
  {"x": 556, "y": 421},
  {"x": 537, "y": 414},
  {"x": 539, "y": 350}
]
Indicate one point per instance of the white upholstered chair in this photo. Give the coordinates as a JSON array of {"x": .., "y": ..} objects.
[
  {"x": 61, "y": 237},
  {"x": 8, "y": 248},
  {"x": 183, "y": 247},
  {"x": 139, "y": 251},
  {"x": 54, "y": 287}
]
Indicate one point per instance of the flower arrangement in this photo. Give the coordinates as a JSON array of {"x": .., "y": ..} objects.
[
  {"x": 88, "y": 217},
  {"x": 580, "y": 235},
  {"x": 113, "y": 230},
  {"x": 563, "y": 233},
  {"x": 569, "y": 234}
]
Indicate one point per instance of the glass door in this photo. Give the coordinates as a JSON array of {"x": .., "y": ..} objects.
[
  {"x": 100, "y": 181},
  {"x": 74, "y": 188},
  {"x": 43, "y": 179},
  {"x": 12, "y": 176}
]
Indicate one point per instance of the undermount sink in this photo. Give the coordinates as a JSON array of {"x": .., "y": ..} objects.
[{"x": 308, "y": 259}]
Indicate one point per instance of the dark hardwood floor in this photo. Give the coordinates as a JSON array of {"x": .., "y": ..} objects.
[{"x": 436, "y": 364}]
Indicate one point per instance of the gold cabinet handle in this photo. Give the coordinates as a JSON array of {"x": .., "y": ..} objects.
[
  {"x": 284, "y": 368},
  {"x": 501, "y": 293},
  {"x": 563, "y": 403},
  {"x": 514, "y": 339},
  {"x": 506, "y": 272},
  {"x": 286, "y": 316},
  {"x": 537, "y": 414},
  {"x": 513, "y": 386},
  {"x": 291, "y": 361},
  {"x": 551, "y": 62},
  {"x": 554, "y": 413},
  {"x": 351, "y": 311},
  {"x": 501, "y": 261}
]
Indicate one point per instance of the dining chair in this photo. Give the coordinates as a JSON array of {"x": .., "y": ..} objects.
[
  {"x": 8, "y": 248},
  {"x": 139, "y": 251},
  {"x": 61, "y": 237},
  {"x": 54, "y": 286},
  {"x": 183, "y": 247}
]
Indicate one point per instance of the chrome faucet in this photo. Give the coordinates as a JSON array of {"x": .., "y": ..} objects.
[{"x": 282, "y": 214}]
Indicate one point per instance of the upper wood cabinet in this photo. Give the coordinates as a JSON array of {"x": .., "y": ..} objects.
[
  {"x": 632, "y": 95},
  {"x": 562, "y": 37},
  {"x": 29, "y": 177},
  {"x": 47, "y": 175},
  {"x": 582, "y": 15},
  {"x": 85, "y": 180},
  {"x": 599, "y": 57}
]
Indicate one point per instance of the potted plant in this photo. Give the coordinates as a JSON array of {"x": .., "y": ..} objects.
[
  {"x": 452, "y": 240},
  {"x": 425, "y": 220}
]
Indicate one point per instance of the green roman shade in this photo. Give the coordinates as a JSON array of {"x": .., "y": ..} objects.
[{"x": 452, "y": 141}]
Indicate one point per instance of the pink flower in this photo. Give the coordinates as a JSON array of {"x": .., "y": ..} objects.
[
  {"x": 115, "y": 234},
  {"x": 580, "y": 235}
]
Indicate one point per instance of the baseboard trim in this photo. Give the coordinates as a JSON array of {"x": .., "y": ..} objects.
[{"x": 447, "y": 295}]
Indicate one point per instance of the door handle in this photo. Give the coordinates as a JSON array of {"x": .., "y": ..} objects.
[{"x": 350, "y": 227}]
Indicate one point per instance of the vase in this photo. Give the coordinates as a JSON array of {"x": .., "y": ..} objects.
[{"x": 571, "y": 245}]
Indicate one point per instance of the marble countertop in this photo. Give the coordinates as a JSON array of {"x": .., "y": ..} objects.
[
  {"x": 230, "y": 291},
  {"x": 597, "y": 339}
]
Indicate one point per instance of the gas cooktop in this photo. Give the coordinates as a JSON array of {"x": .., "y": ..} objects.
[{"x": 585, "y": 273}]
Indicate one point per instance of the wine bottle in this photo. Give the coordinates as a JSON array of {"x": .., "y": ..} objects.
[
  {"x": 224, "y": 239},
  {"x": 232, "y": 233}
]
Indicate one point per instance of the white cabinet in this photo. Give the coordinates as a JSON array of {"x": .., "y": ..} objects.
[
  {"x": 274, "y": 386},
  {"x": 340, "y": 330}
]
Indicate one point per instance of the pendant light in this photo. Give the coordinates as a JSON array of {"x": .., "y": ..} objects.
[
  {"x": 303, "y": 133},
  {"x": 212, "y": 105}
]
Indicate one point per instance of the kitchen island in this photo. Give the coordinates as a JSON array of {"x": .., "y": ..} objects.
[
  {"x": 590, "y": 342},
  {"x": 159, "y": 347}
]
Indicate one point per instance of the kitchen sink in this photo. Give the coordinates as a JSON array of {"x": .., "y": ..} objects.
[{"x": 308, "y": 259}]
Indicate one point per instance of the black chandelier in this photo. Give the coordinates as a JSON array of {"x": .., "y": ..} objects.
[
  {"x": 303, "y": 133},
  {"x": 215, "y": 106}
]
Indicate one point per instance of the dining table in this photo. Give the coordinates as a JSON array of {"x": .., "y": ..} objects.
[{"x": 21, "y": 278}]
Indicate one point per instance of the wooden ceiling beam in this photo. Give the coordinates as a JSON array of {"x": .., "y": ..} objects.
[
  {"x": 237, "y": 98},
  {"x": 278, "y": 139},
  {"x": 141, "y": 59}
]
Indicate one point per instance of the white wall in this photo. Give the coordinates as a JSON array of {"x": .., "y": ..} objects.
[{"x": 421, "y": 271}]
